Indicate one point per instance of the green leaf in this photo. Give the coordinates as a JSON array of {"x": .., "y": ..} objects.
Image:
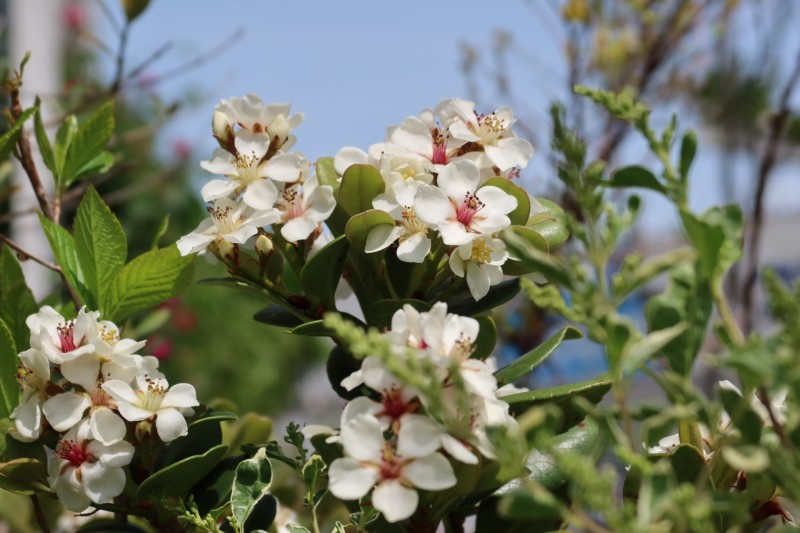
[
  {"x": 25, "y": 476},
  {"x": 294, "y": 528},
  {"x": 63, "y": 246},
  {"x": 16, "y": 299},
  {"x": 689, "y": 465},
  {"x": 717, "y": 237},
  {"x": 88, "y": 142},
  {"x": 486, "y": 339},
  {"x": 521, "y": 213},
  {"x": 340, "y": 365},
  {"x": 44, "y": 143},
  {"x": 100, "y": 163},
  {"x": 178, "y": 478},
  {"x": 9, "y": 138},
  {"x": 9, "y": 388},
  {"x": 214, "y": 489},
  {"x": 277, "y": 315},
  {"x": 326, "y": 173},
  {"x": 322, "y": 272},
  {"x": 405, "y": 277},
  {"x": 134, "y": 8},
  {"x": 635, "y": 176},
  {"x": 359, "y": 226},
  {"x": 628, "y": 280},
  {"x": 688, "y": 151},
  {"x": 526, "y": 363},
  {"x": 203, "y": 434},
  {"x": 64, "y": 137},
  {"x": 101, "y": 245},
  {"x": 581, "y": 439},
  {"x": 592, "y": 389},
  {"x": 360, "y": 185},
  {"x": 537, "y": 260},
  {"x": 550, "y": 223},
  {"x": 317, "y": 328},
  {"x": 250, "y": 485},
  {"x": 150, "y": 279},
  {"x": 638, "y": 352},
  {"x": 514, "y": 267}
]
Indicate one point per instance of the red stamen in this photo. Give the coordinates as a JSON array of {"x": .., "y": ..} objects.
[
  {"x": 65, "y": 335},
  {"x": 468, "y": 209},
  {"x": 72, "y": 452}
]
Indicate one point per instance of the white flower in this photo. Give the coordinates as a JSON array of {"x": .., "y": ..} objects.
[
  {"x": 493, "y": 132},
  {"x": 409, "y": 230},
  {"x": 33, "y": 375},
  {"x": 460, "y": 209},
  {"x": 400, "y": 166},
  {"x": 246, "y": 172},
  {"x": 394, "y": 471},
  {"x": 351, "y": 155},
  {"x": 157, "y": 400},
  {"x": 421, "y": 136},
  {"x": 396, "y": 399},
  {"x": 60, "y": 339},
  {"x": 82, "y": 471},
  {"x": 251, "y": 113},
  {"x": 303, "y": 207},
  {"x": 480, "y": 260},
  {"x": 229, "y": 221}
]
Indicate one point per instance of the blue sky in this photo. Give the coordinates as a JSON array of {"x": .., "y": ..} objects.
[{"x": 353, "y": 67}]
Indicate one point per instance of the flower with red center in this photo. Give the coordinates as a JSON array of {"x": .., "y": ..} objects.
[
  {"x": 61, "y": 339},
  {"x": 460, "y": 208},
  {"x": 83, "y": 471},
  {"x": 394, "y": 468},
  {"x": 480, "y": 261},
  {"x": 303, "y": 207}
]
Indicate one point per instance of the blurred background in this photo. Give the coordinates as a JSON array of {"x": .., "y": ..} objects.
[{"x": 728, "y": 68}]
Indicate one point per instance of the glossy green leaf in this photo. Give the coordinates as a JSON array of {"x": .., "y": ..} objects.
[
  {"x": 717, "y": 236},
  {"x": 624, "y": 283},
  {"x": 9, "y": 138},
  {"x": 294, "y": 528},
  {"x": 635, "y": 176},
  {"x": 322, "y": 272},
  {"x": 9, "y": 388},
  {"x": 88, "y": 141},
  {"x": 549, "y": 221},
  {"x": 404, "y": 277},
  {"x": 514, "y": 267},
  {"x": 100, "y": 163},
  {"x": 326, "y": 173},
  {"x": 329, "y": 451},
  {"x": 638, "y": 352},
  {"x": 689, "y": 465},
  {"x": 277, "y": 315},
  {"x": 359, "y": 226},
  {"x": 526, "y": 363},
  {"x": 203, "y": 434},
  {"x": 592, "y": 389},
  {"x": 251, "y": 427},
  {"x": 340, "y": 365},
  {"x": 538, "y": 261},
  {"x": 214, "y": 490},
  {"x": 64, "y": 137},
  {"x": 250, "y": 484},
  {"x": 486, "y": 339},
  {"x": 160, "y": 232},
  {"x": 150, "y": 279},
  {"x": 24, "y": 476},
  {"x": 360, "y": 185},
  {"x": 44, "y": 142},
  {"x": 100, "y": 244},
  {"x": 16, "y": 299},
  {"x": 521, "y": 213},
  {"x": 263, "y": 515},
  {"x": 688, "y": 151},
  {"x": 178, "y": 478},
  {"x": 63, "y": 246}
]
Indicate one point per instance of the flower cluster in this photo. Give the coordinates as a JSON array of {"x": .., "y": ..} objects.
[
  {"x": 435, "y": 168},
  {"x": 83, "y": 381},
  {"x": 415, "y": 453},
  {"x": 262, "y": 182}
]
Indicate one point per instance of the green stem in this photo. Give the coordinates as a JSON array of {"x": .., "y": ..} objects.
[{"x": 731, "y": 326}]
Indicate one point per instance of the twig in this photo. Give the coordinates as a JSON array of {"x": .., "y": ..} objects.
[
  {"x": 202, "y": 58},
  {"x": 123, "y": 43},
  {"x": 27, "y": 255},
  {"x": 39, "y": 513},
  {"x": 109, "y": 15},
  {"x": 152, "y": 58},
  {"x": 777, "y": 126}
]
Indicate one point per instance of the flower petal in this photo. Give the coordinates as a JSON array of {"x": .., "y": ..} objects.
[
  {"x": 120, "y": 391},
  {"x": 510, "y": 153},
  {"x": 261, "y": 195},
  {"x": 432, "y": 472},
  {"x": 170, "y": 424},
  {"x": 107, "y": 426},
  {"x": 395, "y": 501},
  {"x": 381, "y": 237},
  {"x": 216, "y": 189},
  {"x": 362, "y": 438},
  {"x": 83, "y": 370},
  {"x": 458, "y": 179},
  {"x": 431, "y": 205},
  {"x": 180, "y": 395},
  {"x": 101, "y": 483},
  {"x": 414, "y": 249},
  {"x": 348, "y": 479},
  {"x": 298, "y": 229},
  {"x": 65, "y": 410},
  {"x": 418, "y": 436}
]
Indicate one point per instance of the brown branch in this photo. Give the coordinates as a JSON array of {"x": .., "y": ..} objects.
[
  {"x": 23, "y": 254},
  {"x": 38, "y": 512},
  {"x": 768, "y": 160}
]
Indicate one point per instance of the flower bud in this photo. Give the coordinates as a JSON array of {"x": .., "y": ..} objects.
[
  {"x": 221, "y": 127},
  {"x": 264, "y": 245},
  {"x": 228, "y": 252},
  {"x": 144, "y": 430}
]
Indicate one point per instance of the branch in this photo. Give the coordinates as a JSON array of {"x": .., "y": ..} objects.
[
  {"x": 777, "y": 126},
  {"x": 27, "y": 255}
]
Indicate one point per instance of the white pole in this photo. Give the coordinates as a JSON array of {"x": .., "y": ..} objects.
[{"x": 35, "y": 26}]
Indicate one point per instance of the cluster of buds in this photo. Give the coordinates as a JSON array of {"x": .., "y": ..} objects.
[
  {"x": 435, "y": 167},
  {"x": 393, "y": 438},
  {"x": 89, "y": 397},
  {"x": 262, "y": 184}
]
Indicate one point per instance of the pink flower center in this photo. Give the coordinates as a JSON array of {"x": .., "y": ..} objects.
[
  {"x": 72, "y": 452},
  {"x": 393, "y": 404},
  {"x": 439, "y": 148},
  {"x": 66, "y": 336},
  {"x": 469, "y": 207},
  {"x": 391, "y": 465},
  {"x": 293, "y": 202}
]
